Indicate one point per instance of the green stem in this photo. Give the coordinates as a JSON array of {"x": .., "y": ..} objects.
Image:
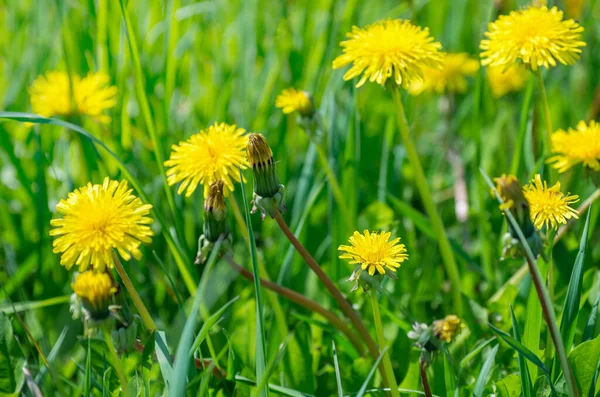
[
  {"x": 525, "y": 110},
  {"x": 333, "y": 182},
  {"x": 547, "y": 117},
  {"x": 116, "y": 360},
  {"x": 387, "y": 363},
  {"x": 436, "y": 222},
  {"x": 135, "y": 297}
]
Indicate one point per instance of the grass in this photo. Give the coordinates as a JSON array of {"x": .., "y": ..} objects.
[{"x": 179, "y": 66}]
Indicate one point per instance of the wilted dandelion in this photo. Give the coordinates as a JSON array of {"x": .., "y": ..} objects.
[
  {"x": 291, "y": 100},
  {"x": 575, "y": 146},
  {"x": 99, "y": 219},
  {"x": 392, "y": 48},
  {"x": 210, "y": 155},
  {"x": 504, "y": 80},
  {"x": 447, "y": 328},
  {"x": 374, "y": 252},
  {"x": 51, "y": 95},
  {"x": 95, "y": 291},
  {"x": 536, "y": 36},
  {"x": 548, "y": 206},
  {"x": 451, "y": 77}
]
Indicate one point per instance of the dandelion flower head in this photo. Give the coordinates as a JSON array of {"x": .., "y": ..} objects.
[
  {"x": 210, "y": 155},
  {"x": 504, "y": 80},
  {"x": 98, "y": 219},
  {"x": 575, "y": 146},
  {"x": 91, "y": 95},
  {"x": 374, "y": 251},
  {"x": 390, "y": 49},
  {"x": 291, "y": 100},
  {"x": 548, "y": 206},
  {"x": 452, "y": 77},
  {"x": 536, "y": 36}
]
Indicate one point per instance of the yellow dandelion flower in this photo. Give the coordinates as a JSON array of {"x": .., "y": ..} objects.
[
  {"x": 374, "y": 252},
  {"x": 548, "y": 206},
  {"x": 94, "y": 290},
  {"x": 536, "y": 36},
  {"x": 210, "y": 155},
  {"x": 447, "y": 328},
  {"x": 504, "y": 80},
  {"x": 392, "y": 48},
  {"x": 577, "y": 146},
  {"x": 291, "y": 100},
  {"x": 97, "y": 220},
  {"x": 92, "y": 95},
  {"x": 452, "y": 77}
]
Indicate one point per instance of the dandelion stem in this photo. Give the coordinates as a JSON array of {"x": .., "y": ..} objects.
[
  {"x": 303, "y": 301},
  {"x": 436, "y": 222},
  {"x": 345, "y": 306},
  {"x": 424, "y": 379},
  {"x": 135, "y": 297},
  {"x": 547, "y": 117},
  {"x": 387, "y": 363},
  {"x": 116, "y": 360}
]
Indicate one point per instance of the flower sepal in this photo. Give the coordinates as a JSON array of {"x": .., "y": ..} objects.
[
  {"x": 268, "y": 205},
  {"x": 206, "y": 246},
  {"x": 125, "y": 337}
]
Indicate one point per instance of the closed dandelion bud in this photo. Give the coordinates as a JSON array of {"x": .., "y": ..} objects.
[
  {"x": 447, "y": 328},
  {"x": 268, "y": 192},
  {"x": 95, "y": 291},
  {"x": 215, "y": 223}
]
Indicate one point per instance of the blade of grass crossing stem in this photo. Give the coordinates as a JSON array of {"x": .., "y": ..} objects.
[
  {"x": 178, "y": 254},
  {"x": 338, "y": 377},
  {"x": 209, "y": 323},
  {"x": 260, "y": 337},
  {"x": 363, "y": 388},
  {"x": 523, "y": 370},
  {"x": 483, "y": 374},
  {"x": 543, "y": 295},
  {"x": 182, "y": 356},
  {"x": 528, "y": 354},
  {"x": 147, "y": 115}
]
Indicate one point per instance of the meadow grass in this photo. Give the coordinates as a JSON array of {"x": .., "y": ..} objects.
[{"x": 181, "y": 66}]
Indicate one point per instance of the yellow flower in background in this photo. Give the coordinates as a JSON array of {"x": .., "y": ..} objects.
[
  {"x": 452, "y": 77},
  {"x": 447, "y": 328},
  {"x": 504, "y": 80},
  {"x": 536, "y": 36},
  {"x": 92, "y": 95},
  {"x": 574, "y": 8},
  {"x": 291, "y": 100},
  {"x": 389, "y": 49},
  {"x": 374, "y": 252},
  {"x": 214, "y": 153},
  {"x": 95, "y": 290},
  {"x": 548, "y": 206},
  {"x": 573, "y": 147},
  {"x": 99, "y": 219}
]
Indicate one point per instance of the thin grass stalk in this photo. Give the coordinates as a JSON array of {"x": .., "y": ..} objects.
[
  {"x": 544, "y": 297},
  {"x": 424, "y": 378},
  {"x": 303, "y": 301},
  {"x": 133, "y": 294},
  {"x": 426, "y": 197},
  {"x": 333, "y": 182},
  {"x": 345, "y": 306},
  {"x": 547, "y": 117},
  {"x": 387, "y": 364},
  {"x": 117, "y": 364}
]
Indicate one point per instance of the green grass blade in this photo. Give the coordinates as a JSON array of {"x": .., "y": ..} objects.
[
  {"x": 282, "y": 391},
  {"x": 32, "y": 305},
  {"x": 523, "y": 371},
  {"x": 88, "y": 370},
  {"x": 525, "y": 110},
  {"x": 473, "y": 353},
  {"x": 338, "y": 377},
  {"x": 163, "y": 356},
  {"x": 178, "y": 254},
  {"x": 590, "y": 326},
  {"x": 260, "y": 336},
  {"x": 209, "y": 323},
  {"x": 363, "y": 388},
  {"x": 484, "y": 373}
]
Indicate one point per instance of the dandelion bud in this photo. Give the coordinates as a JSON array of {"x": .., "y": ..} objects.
[
  {"x": 95, "y": 292},
  {"x": 447, "y": 328},
  {"x": 268, "y": 192},
  {"x": 215, "y": 223},
  {"x": 291, "y": 100}
]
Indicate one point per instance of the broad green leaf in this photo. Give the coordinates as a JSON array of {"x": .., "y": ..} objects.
[
  {"x": 584, "y": 361},
  {"x": 509, "y": 386}
]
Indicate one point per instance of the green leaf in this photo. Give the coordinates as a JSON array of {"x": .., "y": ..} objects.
[
  {"x": 484, "y": 373},
  {"x": 8, "y": 382},
  {"x": 523, "y": 370},
  {"x": 509, "y": 386},
  {"x": 338, "y": 378},
  {"x": 163, "y": 356},
  {"x": 590, "y": 326},
  {"x": 209, "y": 323},
  {"x": 284, "y": 391},
  {"x": 363, "y": 388},
  {"x": 584, "y": 361}
]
